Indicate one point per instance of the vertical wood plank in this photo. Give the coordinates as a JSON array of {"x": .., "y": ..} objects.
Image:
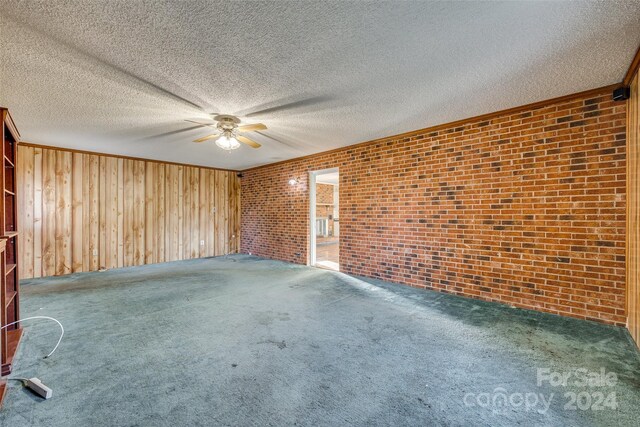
[
  {"x": 186, "y": 209},
  {"x": 195, "y": 216},
  {"x": 128, "y": 231},
  {"x": 172, "y": 212},
  {"x": 63, "y": 212},
  {"x": 94, "y": 212},
  {"x": 102, "y": 212},
  {"x": 37, "y": 212},
  {"x": 150, "y": 225},
  {"x": 180, "y": 210},
  {"x": 120, "y": 229},
  {"x": 138, "y": 212},
  {"x": 25, "y": 184},
  {"x": 48, "y": 212},
  {"x": 24, "y": 177},
  {"x": 111, "y": 213},
  {"x": 225, "y": 203},
  {"x": 86, "y": 211},
  {"x": 237, "y": 199},
  {"x": 230, "y": 209},
  {"x": 218, "y": 223},
  {"x": 160, "y": 214},
  {"x": 203, "y": 206},
  {"x": 76, "y": 206},
  {"x": 211, "y": 214},
  {"x": 233, "y": 218}
]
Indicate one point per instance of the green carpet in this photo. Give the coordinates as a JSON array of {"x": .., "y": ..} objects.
[{"x": 247, "y": 341}]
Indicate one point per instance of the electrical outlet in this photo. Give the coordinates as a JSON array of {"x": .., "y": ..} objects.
[
  {"x": 95, "y": 252},
  {"x": 201, "y": 242}
]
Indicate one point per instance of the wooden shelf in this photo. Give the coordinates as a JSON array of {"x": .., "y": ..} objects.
[
  {"x": 9, "y": 283},
  {"x": 13, "y": 340},
  {"x": 10, "y": 268},
  {"x": 3, "y": 389},
  {"x": 9, "y": 298}
]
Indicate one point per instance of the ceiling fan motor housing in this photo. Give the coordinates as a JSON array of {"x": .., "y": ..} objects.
[
  {"x": 227, "y": 125},
  {"x": 226, "y": 122}
]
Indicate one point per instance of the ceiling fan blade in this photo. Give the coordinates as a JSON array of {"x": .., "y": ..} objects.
[
  {"x": 251, "y": 128},
  {"x": 275, "y": 139},
  {"x": 211, "y": 125},
  {"x": 173, "y": 132},
  {"x": 288, "y": 106},
  {"x": 206, "y": 138},
  {"x": 250, "y": 142}
]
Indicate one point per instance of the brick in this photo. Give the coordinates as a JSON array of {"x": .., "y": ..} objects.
[{"x": 526, "y": 209}]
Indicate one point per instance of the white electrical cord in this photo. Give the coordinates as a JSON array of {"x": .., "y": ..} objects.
[{"x": 41, "y": 317}]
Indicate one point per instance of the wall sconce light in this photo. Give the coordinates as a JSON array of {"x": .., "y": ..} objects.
[{"x": 294, "y": 181}]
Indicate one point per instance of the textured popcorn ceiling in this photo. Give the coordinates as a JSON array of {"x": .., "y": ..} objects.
[{"x": 99, "y": 75}]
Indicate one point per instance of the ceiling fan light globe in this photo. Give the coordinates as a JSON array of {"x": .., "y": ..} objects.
[{"x": 227, "y": 143}]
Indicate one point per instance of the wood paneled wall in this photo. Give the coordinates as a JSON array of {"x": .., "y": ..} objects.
[
  {"x": 633, "y": 212},
  {"x": 83, "y": 212}
]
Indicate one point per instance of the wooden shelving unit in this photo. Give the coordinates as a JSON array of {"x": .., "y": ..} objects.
[{"x": 9, "y": 286}]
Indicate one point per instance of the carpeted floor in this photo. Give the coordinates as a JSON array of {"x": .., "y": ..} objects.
[{"x": 247, "y": 341}]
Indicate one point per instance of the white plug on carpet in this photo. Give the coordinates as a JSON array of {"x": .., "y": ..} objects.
[{"x": 35, "y": 385}]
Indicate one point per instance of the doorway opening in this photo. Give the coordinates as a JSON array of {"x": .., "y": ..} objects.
[{"x": 324, "y": 224}]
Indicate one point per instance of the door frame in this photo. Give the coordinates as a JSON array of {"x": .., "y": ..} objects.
[{"x": 313, "y": 175}]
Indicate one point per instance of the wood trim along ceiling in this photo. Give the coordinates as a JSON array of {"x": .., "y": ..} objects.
[
  {"x": 86, "y": 212},
  {"x": 633, "y": 69}
]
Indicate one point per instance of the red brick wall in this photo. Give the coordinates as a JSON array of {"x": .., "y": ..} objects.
[
  {"x": 324, "y": 193},
  {"x": 526, "y": 208}
]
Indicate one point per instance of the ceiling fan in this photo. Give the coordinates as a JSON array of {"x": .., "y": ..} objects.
[
  {"x": 227, "y": 127},
  {"x": 228, "y": 132}
]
